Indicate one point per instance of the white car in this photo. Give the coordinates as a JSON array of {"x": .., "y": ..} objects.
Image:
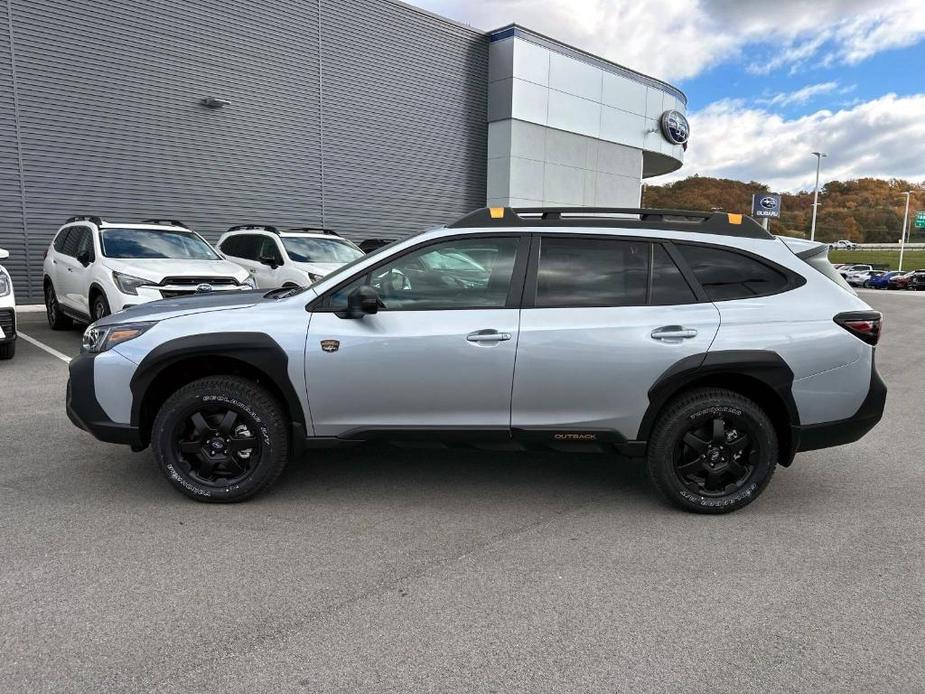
[
  {"x": 843, "y": 244},
  {"x": 291, "y": 257},
  {"x": 94, "y": 268},
  {"x": 7, "y": 312}
]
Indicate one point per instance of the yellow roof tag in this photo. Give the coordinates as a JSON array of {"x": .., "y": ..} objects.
[
  {"x": 496, "y": 212},
  {"x": 734, "y": 218}
]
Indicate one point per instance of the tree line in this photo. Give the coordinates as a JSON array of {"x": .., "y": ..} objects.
[{"x": 866, "y": 210}]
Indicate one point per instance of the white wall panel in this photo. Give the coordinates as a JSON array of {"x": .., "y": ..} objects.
[
  {"x": 574, "y": 114},
  {"x": 619, "y": 92},
  {"x": 531, "y": 62},
  {"x": 574, "y": 77}
]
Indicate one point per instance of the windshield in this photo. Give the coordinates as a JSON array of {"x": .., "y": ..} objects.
[
  {"x": 155, "y": 243},
  {"x": 306, "y": 249}
]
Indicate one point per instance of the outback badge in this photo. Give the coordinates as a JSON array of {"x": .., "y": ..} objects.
[{"x": 330, "y": 345}]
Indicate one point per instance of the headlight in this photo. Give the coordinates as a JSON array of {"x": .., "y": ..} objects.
[
  {"x": 100, "y": 339},
  {"x": 313, "y": 276},
  {"x": 128, "y": 284},
  {"x": 6, "y": 285},
  {"x": 249, "y": 283}
]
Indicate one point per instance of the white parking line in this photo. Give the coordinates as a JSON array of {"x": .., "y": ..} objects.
[{"x": 53, "y": 352}]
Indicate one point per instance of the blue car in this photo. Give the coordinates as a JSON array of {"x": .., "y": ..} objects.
[{"x": 882, "y": 281}]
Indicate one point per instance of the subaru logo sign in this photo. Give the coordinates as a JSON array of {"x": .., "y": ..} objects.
[
  {"x": 766, "y": 205},
  {"x": 203, "y": 288},
  {"x": 675, "y": 127}
]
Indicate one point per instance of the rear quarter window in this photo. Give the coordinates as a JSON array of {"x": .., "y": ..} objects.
[{"x": 727, "y": 275}]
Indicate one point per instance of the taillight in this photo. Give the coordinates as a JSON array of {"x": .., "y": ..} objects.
[{"x": 864, "y": 325}]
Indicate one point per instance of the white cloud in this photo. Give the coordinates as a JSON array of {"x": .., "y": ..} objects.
[
  {"x": 800, "y": 96},
  {"x": 880, "y": 138},
  {"x": 676, "y": 39}
]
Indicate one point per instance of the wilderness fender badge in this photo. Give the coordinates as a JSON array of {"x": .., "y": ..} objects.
[{"x": 330, "y": 345}]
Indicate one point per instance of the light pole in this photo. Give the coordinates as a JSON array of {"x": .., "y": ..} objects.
[
  {"x": 812, "y": 231},
  {"x": 902, "y": 233}
]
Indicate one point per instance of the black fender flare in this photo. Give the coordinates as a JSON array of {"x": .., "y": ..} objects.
[
  {"x": 258, "y": 350},
  {"x": 766, "y": 367}
]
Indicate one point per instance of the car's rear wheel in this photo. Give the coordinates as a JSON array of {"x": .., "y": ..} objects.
[
  {"x": 8, "y": 350},
  {"x": 56, "y": 319},
  {"x": 221, "y": 439},
  {"x": 712, "y": 451}
]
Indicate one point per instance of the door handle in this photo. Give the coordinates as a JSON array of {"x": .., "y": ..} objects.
[
  {"x": 488, "y": 336},
  {"x": 673, "y": 332}
]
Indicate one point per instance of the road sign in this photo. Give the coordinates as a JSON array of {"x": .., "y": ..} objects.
[
  {"x": 920, "y": 219},
  {"x": 766, "y": 205}
]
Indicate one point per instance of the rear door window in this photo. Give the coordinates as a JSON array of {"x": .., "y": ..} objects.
[
  {"x": 583, "y": 272},
  {"x": 668, "y": 284}
]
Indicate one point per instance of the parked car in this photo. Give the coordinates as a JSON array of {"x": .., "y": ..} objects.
[
  {"x": 882, "y": 280},
  {"x": 703, "y": 345},
  {"x": 7, "y": 312},
  {"x": 863, "y": 278},
  {"x": 843, "y": 244},
  {"x": 846, "y": 270},
  {"x": 900, "y": 280},
  {"x": 287, "y": 258},
  {"x": 917, "y": 280},
  {"x": 93, "y": 268},
  {"x": 370, "y": 245}
]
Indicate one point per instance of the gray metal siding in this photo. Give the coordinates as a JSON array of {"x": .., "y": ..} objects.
[{"x": 110, "y": 121}]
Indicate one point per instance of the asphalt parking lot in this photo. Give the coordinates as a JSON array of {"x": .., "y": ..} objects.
[{"x": 390, "y": 570}]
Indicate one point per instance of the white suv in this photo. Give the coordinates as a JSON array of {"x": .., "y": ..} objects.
[
  {"x": 94, "y": 268},
  {"x": 7, "y": 312},
  {"x": 292, "y": 257}
]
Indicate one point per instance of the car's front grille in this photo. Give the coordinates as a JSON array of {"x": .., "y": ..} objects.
[
  {"x": 8, "y": 322},
  {"x": 195, "y": 281}
]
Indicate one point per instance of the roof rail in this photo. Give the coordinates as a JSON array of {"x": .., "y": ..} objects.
[
  {"x": 314, "y": 230},
  {"x": 85, "y": 218},
  {"x": 165, "y": 222},
  {"x": 254, "y": 227},
  {"x": 721, "y": 223}
]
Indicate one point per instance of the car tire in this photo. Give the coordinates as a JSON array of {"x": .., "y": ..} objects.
[
  {"x": 866, "y": 285},
  {"x": 705, "y": 467},
  {"x": 8, "y": 350},
  {"x": 56, "y": 319},
  {"x": 100, "y": 307},
  {"x": 215, "y": 415}
]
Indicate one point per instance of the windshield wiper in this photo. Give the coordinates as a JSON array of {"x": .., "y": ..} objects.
[{"x": 283, "y": 292}]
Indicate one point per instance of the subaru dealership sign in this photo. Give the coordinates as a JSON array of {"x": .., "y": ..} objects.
[{"x": 766, "y": 205}]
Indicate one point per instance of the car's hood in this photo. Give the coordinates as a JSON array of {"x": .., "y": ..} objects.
[
  {"x": 156, "y": 269},
  {"x": 318, "y": 268},
  {"x": 186, "y": 305}
]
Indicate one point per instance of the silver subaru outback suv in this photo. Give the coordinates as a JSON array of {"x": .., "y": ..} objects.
[{"x": 695, "y": 341}]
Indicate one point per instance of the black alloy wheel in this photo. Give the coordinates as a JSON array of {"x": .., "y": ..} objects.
[
  {"x": 712, "y": 450},
  {"x": 715, "y": 457},
  {"x": 216, "y": 445}
]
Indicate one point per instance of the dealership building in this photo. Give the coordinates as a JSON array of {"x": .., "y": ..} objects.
[{"x": 370, "y": 117}]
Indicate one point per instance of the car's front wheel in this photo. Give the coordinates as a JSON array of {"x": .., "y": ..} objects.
[
  {"x": 100, "y": 307},
  {"x": 712, "y": 451},
  {"x": 221, "y": 439}
]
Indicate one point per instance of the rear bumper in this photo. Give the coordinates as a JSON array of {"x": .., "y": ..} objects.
[
  {"x": 84, "y": 410},
  {"x": 812, "y": 437}
]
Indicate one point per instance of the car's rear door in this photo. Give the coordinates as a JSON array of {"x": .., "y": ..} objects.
[
  {"x": 604, "y": 317},
  {"x": 439, "y": 356}
]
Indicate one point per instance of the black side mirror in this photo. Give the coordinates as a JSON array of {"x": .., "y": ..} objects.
[
  {"x": 83, "y": 258},
  {"x": 269, "y": 260},
  {"x": 363, "y": 300}
]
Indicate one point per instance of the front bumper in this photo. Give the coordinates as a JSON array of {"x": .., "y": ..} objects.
[
  {"x": 84, "y": 410},
  {"x": 7, "y": 325},
  {"x": 812, "y": 437}
]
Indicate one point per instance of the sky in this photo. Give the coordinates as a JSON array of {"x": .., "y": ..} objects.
[{"x": 767, "y": 83}]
